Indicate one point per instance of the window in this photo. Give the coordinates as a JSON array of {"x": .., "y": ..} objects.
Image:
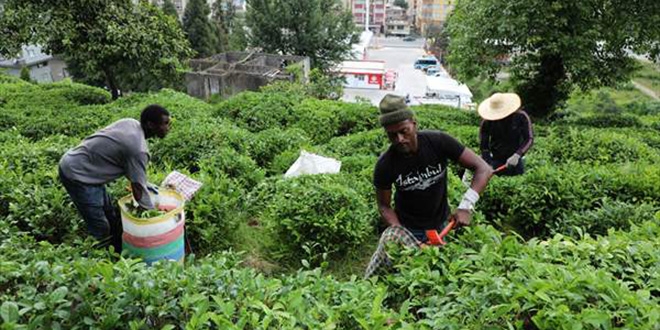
[{"x": 359, "y": 77}]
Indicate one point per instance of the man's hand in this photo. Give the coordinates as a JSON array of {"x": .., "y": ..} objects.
[
  {"x": 463, "y": 217},
  {"x": 513, "y": 160}
]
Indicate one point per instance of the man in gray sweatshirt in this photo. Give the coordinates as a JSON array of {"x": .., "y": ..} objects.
[{"x": 117, "y": 150}]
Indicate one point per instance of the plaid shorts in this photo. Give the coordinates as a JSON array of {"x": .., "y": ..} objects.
[{"x": 380, "y": 261}]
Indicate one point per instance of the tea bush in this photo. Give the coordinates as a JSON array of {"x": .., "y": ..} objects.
[
  {"x": 267, "y": 144},
  {"x": 79, "y": 93},
  {"x": 214, "y": 213},
  {"x": 313, "y": 215},
  {"x": 436, "y": 117},
  {"x": 240, "y": 168},
  {"x": 257, "y": 112},
  {"x": 594, "y": 146},
  {"x": 486, "y": 281},
  {"x": 533, "y": 203},
  {"x": 599, "y": 185},
  {"x": 65, "y": 287},
  {"x": 368, "y": 143},
  {"x": 186, "y": 145},
  {"x": 611, "y": 214}
]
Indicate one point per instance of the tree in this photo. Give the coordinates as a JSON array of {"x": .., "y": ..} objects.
[
  {"x": 320, "y": 29},
  {"x": 25, "y": 74},
  {"x": 223, "y": 16},
  {"x": 202, "y": 34},
  {"x": 401, "y": 3},
  {"x": 552, "y": 46},
  {"x": 111, "y": 42},
  {"x": 170, "y": 9}
]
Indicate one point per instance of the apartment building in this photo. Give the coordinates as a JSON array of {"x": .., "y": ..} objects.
[
  {"x": 376, "y": 14},
  {"x": 239, "y": 5},
  {"x": 432, "y": 12},
  {"x": 397, "y": 22}
]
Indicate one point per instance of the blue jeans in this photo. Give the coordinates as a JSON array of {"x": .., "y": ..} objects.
[{"x": 96, "y": 208}]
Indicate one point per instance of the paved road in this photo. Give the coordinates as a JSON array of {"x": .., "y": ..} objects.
[{"x": 398, "y": 55}]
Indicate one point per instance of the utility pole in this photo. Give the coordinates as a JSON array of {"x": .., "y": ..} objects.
[{"x": 366, "y": 17}]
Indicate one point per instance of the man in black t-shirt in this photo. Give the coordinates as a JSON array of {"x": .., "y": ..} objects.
[
  {"x": 416, "y": 165},
  {"x": 505, "y": 133}
]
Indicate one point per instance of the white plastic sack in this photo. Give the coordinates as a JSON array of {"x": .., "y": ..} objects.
[{"x": 308, "y": 163}]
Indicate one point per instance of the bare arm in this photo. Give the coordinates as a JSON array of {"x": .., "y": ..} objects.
[
  {"x": 384, "y": 200},
  {"x": 136, "y": 188},
  {"x": 482, "y": 171}
]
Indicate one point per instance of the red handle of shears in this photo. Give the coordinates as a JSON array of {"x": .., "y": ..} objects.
[
  {"x": 501, "y": 168},
  {"x": 435, "y": 238}
]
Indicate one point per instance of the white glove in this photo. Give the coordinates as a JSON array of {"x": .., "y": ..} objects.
[
  {"x": 152, "y": 187},
  {"x": 513, "y": 160}
]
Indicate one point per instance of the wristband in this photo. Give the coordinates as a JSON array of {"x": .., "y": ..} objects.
[{"x": 469, "y": 199}]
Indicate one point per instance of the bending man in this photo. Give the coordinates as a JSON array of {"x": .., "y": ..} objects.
[{"x": 115, "y": 151}]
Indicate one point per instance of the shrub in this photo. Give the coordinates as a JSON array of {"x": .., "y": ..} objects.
[
  {"x": 437, "y": 117},
  {"x": 256, "y": 112},
  {"x": 78, "y": 93},
  {"x": 214, "y": 213},
  {"x": 313, "y": 215},
  {"x": 594, "y": 146},
  {"x": 534, "y": 202},
  {"x": 317, "y": 118},
  {"x": 611, "y": 214},
  {"x": 186, "y": 144},
  {"x": 70, "y": 287},
  {"x": 264, "y": 146},
  {"x": 240, "y": 168},
  {"x": 485, "y": 281},
  {"x": 369, "y": 143}
]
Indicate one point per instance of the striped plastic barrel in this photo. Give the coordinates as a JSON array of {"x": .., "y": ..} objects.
[{"x": 158, "y": 238}]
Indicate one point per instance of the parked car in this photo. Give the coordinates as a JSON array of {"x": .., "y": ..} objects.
[{"x": 409, "y": 38}]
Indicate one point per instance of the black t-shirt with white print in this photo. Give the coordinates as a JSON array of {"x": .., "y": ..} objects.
[{"x": 420, "y": 197}]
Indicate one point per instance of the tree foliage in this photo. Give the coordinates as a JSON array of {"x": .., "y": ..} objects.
[
  {"x": 552, "y": 45},
  {"x": 320, "y": 29},
  {"x": 202, "y": 34},
  {"x": 170, "y": 9},
  {"x": 401, "y": 3},
  {"x": 115, "y": 43}
]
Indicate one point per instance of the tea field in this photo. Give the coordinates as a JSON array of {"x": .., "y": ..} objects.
[{"x": 572, "y": 244}]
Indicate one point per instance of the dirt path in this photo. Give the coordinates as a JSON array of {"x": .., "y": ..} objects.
[{"x": 646, "y": 90}]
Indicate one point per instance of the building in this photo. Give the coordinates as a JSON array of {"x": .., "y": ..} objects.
[
  {"x": 363, "y": 74},
  {"x": 432, "y": 13},
  {"x": 239, "y": 5},
  {"x": 396, "y": 21},
  {"x": 43, "y": 67},
  {"x": 233, "y": 72},
  {"x": 376, "y": 14}
]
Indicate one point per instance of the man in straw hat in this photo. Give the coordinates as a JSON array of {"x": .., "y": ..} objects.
[
  {"x": 416, "y": 165},
  {"x": 505, "y": 133}
]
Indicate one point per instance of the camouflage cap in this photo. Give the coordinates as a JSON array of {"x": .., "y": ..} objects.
[{"x": 393, "y": 109}]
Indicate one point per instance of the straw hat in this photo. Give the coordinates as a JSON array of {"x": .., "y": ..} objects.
[{"x": 499, "y": 106}]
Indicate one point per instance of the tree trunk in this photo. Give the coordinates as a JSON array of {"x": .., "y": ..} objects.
[
  {"x": 545, "y": 90},
  {"x": 112, "y": 83}
]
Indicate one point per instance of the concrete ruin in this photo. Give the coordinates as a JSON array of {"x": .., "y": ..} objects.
[{"x": 233, "y": 72}]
